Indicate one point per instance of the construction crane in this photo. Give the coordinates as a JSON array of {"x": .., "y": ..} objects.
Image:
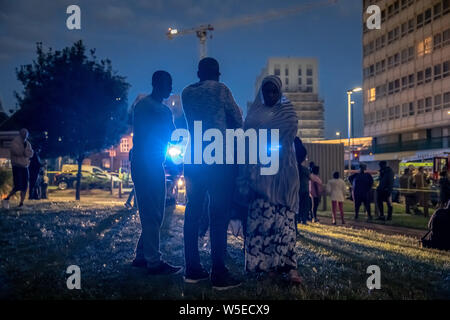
[{"x": 203, "y": 31}]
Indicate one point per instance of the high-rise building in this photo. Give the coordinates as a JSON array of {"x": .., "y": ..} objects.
[
  {"x": 300, "y": 85},
  {"x": 406, "y": 70}
]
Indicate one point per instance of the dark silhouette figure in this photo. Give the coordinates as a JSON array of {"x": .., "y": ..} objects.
[
  {"x": 34, "y": 170},
  {"x": 303, "y": 172},
  {"x": 362, "y": 183},
  {"x": 152, "y": 130},
  {"x": 212, "y": 103},
  {"x": 384, "y": 190}
]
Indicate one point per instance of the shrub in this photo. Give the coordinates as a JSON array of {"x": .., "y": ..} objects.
[{"x": 6, "y": 181}]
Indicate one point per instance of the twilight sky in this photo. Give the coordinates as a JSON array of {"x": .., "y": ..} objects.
[{"x": 131, "y": 33}]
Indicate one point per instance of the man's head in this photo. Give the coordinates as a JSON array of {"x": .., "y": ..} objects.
[
  {"x": 336, "y": 175},
  {"x": 421, "y": 169},
  {"x": 162, "y": 84},
  {"x": 271, "y": 90},
  {"x": 315, "y": 170},
  {"x": 208, "y": 69},
  {"x": 362, "y": 167},
  {"x": 24, "y": 133},
  {"x": 382, "y": 164},
  {"x": 406, "y": 171}
]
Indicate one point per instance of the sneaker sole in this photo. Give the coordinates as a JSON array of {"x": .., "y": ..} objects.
[
  {"x": 188, "y": 280},
  {"x": 226, "y": 288}
]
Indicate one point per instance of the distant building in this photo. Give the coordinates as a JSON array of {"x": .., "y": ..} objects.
[
  {"x": 406, "y": 70},
  {"x": 301, "y": 86}
]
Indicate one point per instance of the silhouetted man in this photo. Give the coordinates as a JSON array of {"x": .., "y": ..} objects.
[
  {"x": 21, "y": 152},
  {"x": 152, "y": 130},
  {"x": 34, "y": 169},
  {"x": 384, "y": 190},
  {"x": 362, "y": 185},
  {"x": 212, "y": 103}
]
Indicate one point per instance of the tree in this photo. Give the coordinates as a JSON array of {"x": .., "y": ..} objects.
[{"x": 72, "y": 103}]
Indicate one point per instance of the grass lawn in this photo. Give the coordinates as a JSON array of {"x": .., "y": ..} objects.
[{"x": 39, "y": 242}]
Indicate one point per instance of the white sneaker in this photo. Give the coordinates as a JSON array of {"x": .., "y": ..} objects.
[{"x": 5, "y": 204}]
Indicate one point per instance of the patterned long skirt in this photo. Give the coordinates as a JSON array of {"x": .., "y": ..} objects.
[{"x": 271, "y": 237}]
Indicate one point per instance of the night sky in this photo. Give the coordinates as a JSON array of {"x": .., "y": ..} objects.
[{"x": 132, "y": 34}]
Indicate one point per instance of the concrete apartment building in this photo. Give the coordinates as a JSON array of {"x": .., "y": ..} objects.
[
  {"x": 406, "y": 70},
  {"x": 301, "y": 87}
]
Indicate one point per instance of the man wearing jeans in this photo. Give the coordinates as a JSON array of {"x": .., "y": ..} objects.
[
  {"x": 152, "y": 130},
  {"x": 212, "y": 103}
]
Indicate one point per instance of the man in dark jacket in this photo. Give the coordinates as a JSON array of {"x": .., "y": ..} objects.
[
  {"x": 444, "y": 188},
  {"x": 152, "y": 130},
  {"x": 303, "y": 172},
  {"x": 362, "y": 183},
  {"x": 34, "y": 169},
  {"x": 384, "y": 190}
]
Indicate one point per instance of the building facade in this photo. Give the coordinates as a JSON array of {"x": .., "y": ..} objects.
[
  {"x": 300, "y": 85},
  {"x": 406, "y": 71}
]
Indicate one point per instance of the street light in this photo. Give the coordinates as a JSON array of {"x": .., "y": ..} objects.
[
  {"x": 349, "y": 110},
  {"x": 338, "y": 134}
]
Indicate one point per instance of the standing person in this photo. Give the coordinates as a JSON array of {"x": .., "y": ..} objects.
[
  {"x": 152, "y": 130},
  {"x": 336, "y": 188},
  {"x": 44, "y": 185},
  {"x": 315, "y": 191},
  {"x": 271, "y": 232},
  {"x": 406, "y": 184},
  {"x": 304, "y": 173},
  {"x": 21, "y": 152},
  {"x": 420, "y": 180},
  {"x": 362, "y": 183},
  {"x": 384, "y": 190},
  {"x": 132, "y": 195},
  {"x": 34, "y": 169},
  {"x": 212, "y": 103}
]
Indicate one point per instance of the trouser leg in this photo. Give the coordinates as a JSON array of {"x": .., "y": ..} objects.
[
  {"x": 333, "y": 210},
  {"x": 196, "y": 190},
  {"x": 358, "y": 200},
  {"x": 150, "y": 194},
  {"x": 380, "y": 200},
  {"x": 315, "y": 206}
]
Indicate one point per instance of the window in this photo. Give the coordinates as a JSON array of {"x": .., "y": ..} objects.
[
  {"x": 309, "y": 81},
  {"x": 427, "y": 75},
  {"x": 299, "y": 81},
  {"x": 277, "y": 70},
  {"x": 411, "y": 26},
  {"x": 378, "y": 116},
  {"x": 437, "y": 102},
  {"x": 411, "y": 109},
  {"x": 299, "y": 71},
  {"x": 419, "y": 20},
  {"x": 390, "y": 62},
  {"x": 437, "y": 72},
  {"x": 391, "y": 113},
  {"x": 397, "y": 85},
  {"x": 446, "y": 38},
  {"x": 383, "y": 65},
  {"x": 446, "y": 100},
  {"x": 396, "y": 59},
  {"x": 410, "y": 53},
  {"x": 383, "y": 115},
  {"x": 397, "y": 112},
  {"x": 404, "y": 110},
  {"x": 437, "y": 10},
  {"x": 428, "y": 16},
  {"x": 404, "y": 29},
  {"x": 391, "y": 87},
  {"x": 371, "y": 95},
  {"x": 445, "y": 69},
  {"x": 309, "y": 70},
  {"x": 445, "y": 6},
  {"x": 411, "y": 80},
  {"x": 437, "y": 41},
  {"x": 428, "y": 104},
  {"x": 420, "y": 106},
  {"x": 286, "y": 81},
  {"x": 419, "y": 78},
  {"x": 124, "y": 146},
  {"x": 390, "y": 36},
  {"x": 383, "y": 15},
  {"x": 404, "y": 55},
  {"x": 424, "y": 47},
  {"x": 404, "y": 83},
  {"x": 286, "y": 71}
]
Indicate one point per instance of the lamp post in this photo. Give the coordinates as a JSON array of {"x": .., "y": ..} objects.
[
  {"x": 349, "y": 110},
  {"x": 338, "y": 134}
]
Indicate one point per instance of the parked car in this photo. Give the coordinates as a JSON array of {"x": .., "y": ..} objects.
[{"x": 91, "y": 177}]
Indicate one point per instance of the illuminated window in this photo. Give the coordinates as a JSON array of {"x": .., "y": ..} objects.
[
  {"x": 425, "y": 47},
  {"x": 371, "y": 96},
  {"x": 124, "y": 146}
]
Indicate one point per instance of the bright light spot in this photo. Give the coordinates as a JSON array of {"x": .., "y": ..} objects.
[
  {"x": 180, "y": 182},
  {"x": 173, "y": 31},
  {"x": 174, "y": 151},
  {"x": 173, "y": 103},
  {"x": 357, "y": 89}
]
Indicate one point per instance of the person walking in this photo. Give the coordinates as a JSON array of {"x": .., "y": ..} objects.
[
  {"x": 132, "y": 195},
  {"x": 21, "y": 152},
  {"x": 362, "y": 183},
  {"x": 271, "y": 232},
  {"x": 315, "y": 191},
  {"x": 420, "y": 181},
  {"x": 212, "y": 103},
  {"x": 152, "y": 130},
  {"x": 336, "y": 189},
  {"x": 304, "y": 173},
  {"x": 384, "y": 190}
]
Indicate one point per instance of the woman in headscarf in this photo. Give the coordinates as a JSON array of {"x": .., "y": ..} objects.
[{"x": 271, "y": 231}]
